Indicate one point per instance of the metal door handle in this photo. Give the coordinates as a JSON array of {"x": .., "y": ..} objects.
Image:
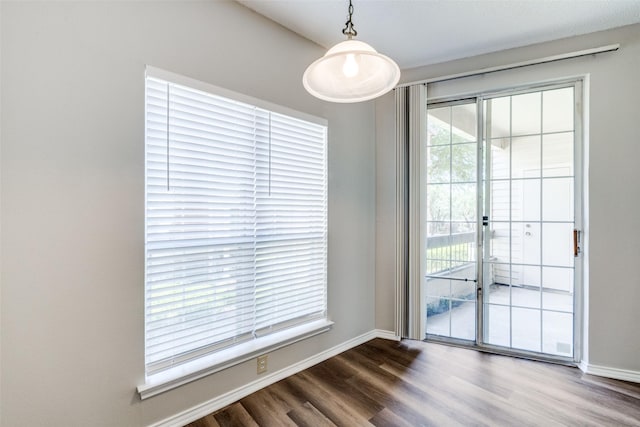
[{"x": 576, "y": 242}]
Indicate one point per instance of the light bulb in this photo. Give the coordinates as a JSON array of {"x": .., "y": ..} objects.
[{"x": 350, "y": 67}]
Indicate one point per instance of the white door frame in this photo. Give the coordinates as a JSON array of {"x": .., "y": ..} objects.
[{"x": 579, "y": 207}]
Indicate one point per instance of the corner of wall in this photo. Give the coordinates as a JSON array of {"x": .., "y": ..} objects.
[{"x": 387, "y": 335}]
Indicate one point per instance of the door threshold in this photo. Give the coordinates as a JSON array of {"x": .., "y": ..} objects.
[{"x": 527, "y": 355}]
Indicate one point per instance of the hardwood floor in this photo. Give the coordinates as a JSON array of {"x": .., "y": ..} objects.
[{"x": 412, "y": 383}]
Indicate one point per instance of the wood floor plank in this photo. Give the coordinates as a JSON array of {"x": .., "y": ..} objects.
[
  {"x": 307, "y": 415},
  {"x": 460, "y": 396},
  {"x": 233, "y": 416},
  {"x": 386, "y": 418},
  {"x": 266, "y": 410},
  {"x": 208, "y": 421},
  {"x": 413, "y": 383},
  {"x": 339, "y": 386},
  {"x": 286, "y": 392},
  {"x": 320, "y": 396},
  {"x": 623, "y": 387},
  {"x": 416, "y": 406}
]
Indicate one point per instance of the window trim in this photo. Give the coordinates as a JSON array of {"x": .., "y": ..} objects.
[
  {"x": 200, "y": 367},
  {"x": 220, "y": 360},
  {"x": 216, "y": 90}
]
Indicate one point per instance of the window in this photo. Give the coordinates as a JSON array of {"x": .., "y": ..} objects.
[{"x": 236, "y": 223}]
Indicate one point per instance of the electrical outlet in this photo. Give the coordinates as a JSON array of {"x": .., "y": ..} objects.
[{"x": 262, "y": 364}]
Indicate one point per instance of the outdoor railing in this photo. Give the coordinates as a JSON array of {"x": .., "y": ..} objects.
[
  {"x": 447, "y": 256},
  {"x": 448, "y": 252}
]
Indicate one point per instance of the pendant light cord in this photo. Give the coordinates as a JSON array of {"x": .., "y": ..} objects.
[{"x": 348, "y": 29}]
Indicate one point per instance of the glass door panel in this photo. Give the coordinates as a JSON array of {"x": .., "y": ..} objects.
[
  {"x": 528, "y": 261},
  {"x": 452, "y": 192}
]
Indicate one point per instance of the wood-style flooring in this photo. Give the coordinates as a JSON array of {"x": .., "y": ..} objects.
[{"x": 413, "y": 383}]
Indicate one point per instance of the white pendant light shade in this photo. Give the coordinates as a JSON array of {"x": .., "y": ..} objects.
[{"x": 351, "y": 71}]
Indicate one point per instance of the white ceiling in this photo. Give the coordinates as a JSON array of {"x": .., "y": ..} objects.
[{"x": 422, "y": 32}]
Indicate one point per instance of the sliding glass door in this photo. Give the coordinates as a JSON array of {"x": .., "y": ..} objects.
[{"x": 502, "y": 221}]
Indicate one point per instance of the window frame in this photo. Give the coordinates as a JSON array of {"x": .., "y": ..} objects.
[{"x": 215, "y": 361}]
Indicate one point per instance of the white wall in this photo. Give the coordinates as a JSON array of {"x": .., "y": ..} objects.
[
  {"x": 72, "y": 172},
  {"x": 613, "y": 199}
]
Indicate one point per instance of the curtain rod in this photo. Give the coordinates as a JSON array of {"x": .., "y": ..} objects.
[{"x": 554, "y": 58}]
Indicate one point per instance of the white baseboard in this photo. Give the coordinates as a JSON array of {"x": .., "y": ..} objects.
[
  {"x": 607, "y": 372},
  {"x": 583, "y": 366},
  {"x": 218, "y": 402},
  {"x": 387, "y": 335}
]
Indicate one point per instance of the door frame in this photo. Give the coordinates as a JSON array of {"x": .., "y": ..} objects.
[{"x": 578, "y": 83}]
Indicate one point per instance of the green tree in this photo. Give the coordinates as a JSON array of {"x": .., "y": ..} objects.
[{"x": 451, "y": 176}]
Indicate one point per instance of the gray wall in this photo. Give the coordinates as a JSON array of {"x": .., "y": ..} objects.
[
  {"x": 72, "y": 190},
  {"x": 0, "y": 217},
  {"x": 612, "y": 198},
  {"x": 385, "y": 213}
]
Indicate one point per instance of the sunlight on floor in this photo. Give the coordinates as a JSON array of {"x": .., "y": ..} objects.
[{"x": 537, "y": 321}]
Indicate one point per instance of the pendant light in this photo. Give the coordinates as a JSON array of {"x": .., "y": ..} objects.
[{"x": 351, "y": 71}]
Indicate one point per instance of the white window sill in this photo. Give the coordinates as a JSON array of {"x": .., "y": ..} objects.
[{"x": 207, "y": 365}]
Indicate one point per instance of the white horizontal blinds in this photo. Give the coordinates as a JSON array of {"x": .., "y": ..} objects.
[
  {"x": 207, "y": 269},
  {"x": 292, "y": 222}
]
